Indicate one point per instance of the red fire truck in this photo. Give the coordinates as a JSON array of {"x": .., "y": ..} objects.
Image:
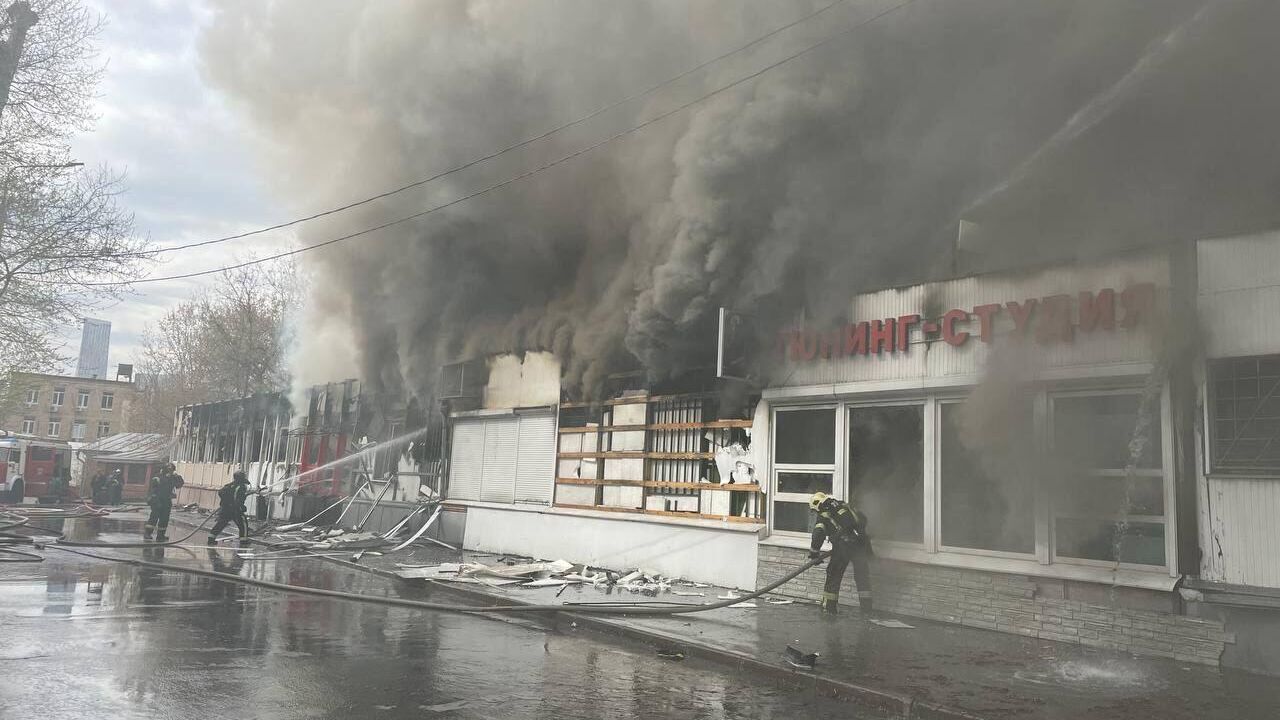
[{"x": 28, "y": 464}]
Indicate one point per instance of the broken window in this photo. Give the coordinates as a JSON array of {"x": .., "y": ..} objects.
[
  {"x": 804, "y": 449},
  {"x": 886, "y": 469},
  {"x": 988, "y": 490},
  {"x": 1245, "y": 415},
  {"x": 1102, "y": 510}
]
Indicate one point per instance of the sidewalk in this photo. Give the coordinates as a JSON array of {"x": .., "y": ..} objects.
[{"x": 933, "y": 670}]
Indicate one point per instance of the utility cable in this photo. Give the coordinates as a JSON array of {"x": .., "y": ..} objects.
[
  {"x": 444, "y": 607},
  {"x": 488, "y": 156},
  {"x": 517, "y": 178}
]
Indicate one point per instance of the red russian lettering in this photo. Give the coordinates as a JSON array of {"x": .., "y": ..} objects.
[
  {"x": 801, "y": 346},
  {"x": 881, "y": 336},
  {"x": 1098, "y": 311},
  {"x": 949, "y": 327},
  {"x": 855, "y": 339},
  {"x": 1021, "y": 314},
  {"x": 904, "y": 330},
  {"x": 830, "y": 343},
  {"x": 985, "y": 314},
  {"x": 1138, "y": 301},
  {"x": 1055, "y": 319}
]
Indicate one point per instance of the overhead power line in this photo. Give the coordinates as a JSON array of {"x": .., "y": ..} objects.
[
  {"x": 546, "y": 166},
  {"x": 496, "y": 153}
]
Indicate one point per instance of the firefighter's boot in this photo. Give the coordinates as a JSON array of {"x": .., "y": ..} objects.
[
  {"x": 830, "y": 603},
  {"x": 864, "y": 602}
]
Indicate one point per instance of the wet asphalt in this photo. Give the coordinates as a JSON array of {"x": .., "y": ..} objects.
[{"x": 81, "y": 637}]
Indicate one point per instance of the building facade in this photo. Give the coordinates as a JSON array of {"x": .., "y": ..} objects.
[
  {"x": 70, "y": 409},
  {"x": 95, "y": 345}
]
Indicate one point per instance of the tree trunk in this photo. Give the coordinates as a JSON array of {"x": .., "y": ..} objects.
[{"x": 21, "y": 18}]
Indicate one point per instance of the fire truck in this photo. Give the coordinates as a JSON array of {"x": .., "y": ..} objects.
[{"x": 28, "y": 464}]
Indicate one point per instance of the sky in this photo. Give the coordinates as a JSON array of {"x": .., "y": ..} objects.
[{"x": 188, "y": 159}]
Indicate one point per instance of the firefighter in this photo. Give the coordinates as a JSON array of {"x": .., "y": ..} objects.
[
  {"x": 231, "y": 507},
  {"x": 98, "y": 487},
  {"x": 846, "y": 528},
  {"x": 160, "y": 497},
  {"x": 115, "y": 487}
]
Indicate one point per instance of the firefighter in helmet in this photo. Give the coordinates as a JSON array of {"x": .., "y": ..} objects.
[
  {"x": 231, "y": 506},
  {"x": 846, "y": 528},
  {"x": 160, "y": 496}
]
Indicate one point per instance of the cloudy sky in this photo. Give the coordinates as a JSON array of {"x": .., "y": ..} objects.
[{"x": 188, "y": 159}]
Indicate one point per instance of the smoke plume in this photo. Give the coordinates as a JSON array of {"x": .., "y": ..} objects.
[{"x": 841, "y": 171}]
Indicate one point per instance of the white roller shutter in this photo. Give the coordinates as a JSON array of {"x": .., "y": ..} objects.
[
  {"x": 500, "y": 443},
  {"x": 536, "y": 460},
  {"x": 466, "y": 459},
  {"x": 503, "y": 459}
]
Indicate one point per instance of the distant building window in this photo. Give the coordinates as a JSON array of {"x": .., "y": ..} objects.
[
  {"x": 59, "y": 394},
  {"x": 77, "y": 430},
  {"x": 28, "y": 426},
  {"x": 33, "y": 396},
  {"x": 55, "y": 428},
  {"x": 108, "y": 400},
  {"x": 1244, "y": 413},
  {"x": 82, "y": 400},
  {"x": 104, "y": 428}
]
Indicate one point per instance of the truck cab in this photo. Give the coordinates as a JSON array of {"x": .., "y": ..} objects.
[{"x": 28, "y": 465}]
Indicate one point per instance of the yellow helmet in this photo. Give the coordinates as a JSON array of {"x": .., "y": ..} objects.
[{"x": 817, "y": 499}]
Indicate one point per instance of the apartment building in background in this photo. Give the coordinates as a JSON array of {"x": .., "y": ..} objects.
[{"x": 69, "y": 408}]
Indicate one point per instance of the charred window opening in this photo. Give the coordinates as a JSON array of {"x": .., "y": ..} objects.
[
  {"x": 886, "y": 469},
  {"x": 1245, "y": 416},
  {"x": 988, "y": 490}
]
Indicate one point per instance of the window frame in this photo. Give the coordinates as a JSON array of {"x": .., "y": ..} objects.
[
  {"x": 84, "y": 395},
  {"x": 33, "y": 397},
  {"x": 1210, "y": 396},
  {"x": 1164, "y": 472},
  {"x": 81, "y": 425},
  {"x": 1042, "y": 410},
  {"x": 834, "y": 468},
  {"x": 107, "y": 401},
  {"x": 58, "y": 398},
  {"x": 54, "y": 427},
  {"x": 28, "y": 426},
  {"x": 928, "y": 523},
  {"x": 104, "y": 428},
  {"x": 1034, "y": 554}
]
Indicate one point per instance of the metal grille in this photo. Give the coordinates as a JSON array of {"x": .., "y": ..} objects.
[{"x": 1245, "y": 415}]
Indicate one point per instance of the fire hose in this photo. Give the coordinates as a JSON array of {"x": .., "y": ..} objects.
[{"x": 681, "y": 609}]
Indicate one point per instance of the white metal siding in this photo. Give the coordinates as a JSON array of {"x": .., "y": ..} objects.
[
  {"x": 536, "y": 459},
  {"x": 466, "y": 460},
  {"x": 1239, "y": 283},
  {"x": 1245, "y": 531},
  {"x": 938, "y": 359},
  {"x": 499, "y": 472}
]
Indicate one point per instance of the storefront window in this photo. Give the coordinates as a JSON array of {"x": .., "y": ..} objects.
[
  {"x": 886, "y": 469},
  {"x": 1107, "y": 486},
  {"x": 988, "y": 480},
  {"x": 804, "y": 450}
]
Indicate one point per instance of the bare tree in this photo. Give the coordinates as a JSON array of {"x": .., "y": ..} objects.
[
  {"x": 62, "y": 231},
  {"x": 51, "y": 49},
  {"x": 228, "y": 342}
]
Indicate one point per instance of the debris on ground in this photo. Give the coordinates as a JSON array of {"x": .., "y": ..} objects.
[
  {"x": 890, "y": 623},
  {"x": 671, "y": 654},
  {"x": 801, "y": 659}
]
